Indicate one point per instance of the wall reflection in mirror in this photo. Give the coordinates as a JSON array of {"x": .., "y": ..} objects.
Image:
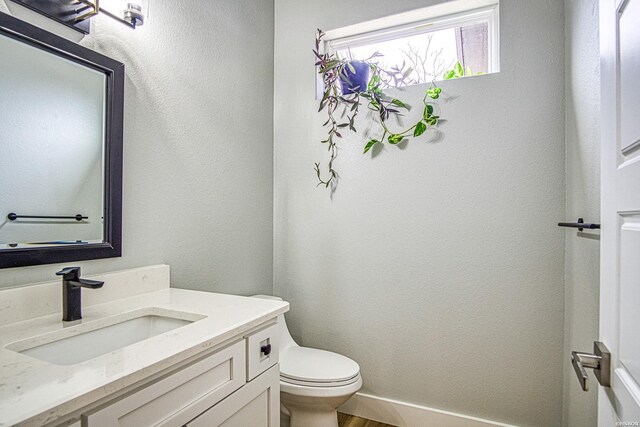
[
  {"x": 61, "y": 132},
  {"x": 52, "y": 115}
]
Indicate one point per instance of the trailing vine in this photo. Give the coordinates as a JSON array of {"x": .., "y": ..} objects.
[{"x": 332, "y": 69}]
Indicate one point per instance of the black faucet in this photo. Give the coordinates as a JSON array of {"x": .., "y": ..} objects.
[{"x": 71, "y": 284}]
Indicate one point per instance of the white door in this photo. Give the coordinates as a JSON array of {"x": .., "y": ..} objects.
[{"x": 620, "y": 237}]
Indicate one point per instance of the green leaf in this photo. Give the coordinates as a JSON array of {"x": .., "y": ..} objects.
[
  {"x": 434, "y": 92},
  {"x": 373, "y": 82},
  {"x": 420, "y": 128},
  {"x": 432, "y": 121},
  {"x": 428, "y": 111},
  {"x": 459, "y": 71},
  {"x": 448, "y": 75},
  {"x": 395, "y": 139},
  {"x": 329, "y": 65},
  {"x": 351, "y": 68},
  {"x": 401, "y": 104},
  {"x": 369, "y": 145}
]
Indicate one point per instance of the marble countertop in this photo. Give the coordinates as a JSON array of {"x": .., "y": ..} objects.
[{"x": 34, "y": 392}]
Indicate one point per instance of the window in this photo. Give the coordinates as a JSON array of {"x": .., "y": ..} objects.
[{"x": 426, "y": 44}]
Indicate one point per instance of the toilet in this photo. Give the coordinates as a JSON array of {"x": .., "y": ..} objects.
[{"x": 313, "y": 383}]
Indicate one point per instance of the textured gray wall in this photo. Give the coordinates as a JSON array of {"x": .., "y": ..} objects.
[
  {"x": 437, "y": 266},
  {"x": 582, "y": 253},
  {"x": 198, "y": 156}
]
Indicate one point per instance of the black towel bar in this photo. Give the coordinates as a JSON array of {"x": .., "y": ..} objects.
[
  {"x": 13, "y": 216},
  {"x": 580, "y": 225}
]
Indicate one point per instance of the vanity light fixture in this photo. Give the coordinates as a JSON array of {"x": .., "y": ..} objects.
[{"x": 77, "y": 13}]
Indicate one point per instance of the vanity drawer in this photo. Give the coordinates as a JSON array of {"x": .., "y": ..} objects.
[
  {"x": 178, "y": 398},
  {"x": 262, "y": 351}
]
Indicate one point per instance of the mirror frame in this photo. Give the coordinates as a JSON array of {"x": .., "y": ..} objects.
[{"x": 114, "y": 129}]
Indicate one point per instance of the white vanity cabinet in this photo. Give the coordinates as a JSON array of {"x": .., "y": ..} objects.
[
  {"x": 217, "y": 367},
  {"x": 237, "y": 385}
]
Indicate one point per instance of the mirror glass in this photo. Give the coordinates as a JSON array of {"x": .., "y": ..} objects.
[
  {"x": 61, "y": 136},
  {"x": 52, "y": 139}
]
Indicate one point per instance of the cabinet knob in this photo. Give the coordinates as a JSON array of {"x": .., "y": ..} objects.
[{"x": 265, "y": 349}]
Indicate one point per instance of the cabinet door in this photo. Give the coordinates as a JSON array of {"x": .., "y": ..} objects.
[
  {"x": 257, "y": 404},
  {"x": 179, "y": 397}
]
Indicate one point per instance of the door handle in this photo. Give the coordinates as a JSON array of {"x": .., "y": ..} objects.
[{"x": 599, "y": 361}]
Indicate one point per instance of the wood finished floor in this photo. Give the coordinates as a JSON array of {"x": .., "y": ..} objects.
[{"x": 345, "y": 420}]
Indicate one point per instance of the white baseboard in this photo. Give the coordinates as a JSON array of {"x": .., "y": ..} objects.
[{"x": 408, "y": 415}]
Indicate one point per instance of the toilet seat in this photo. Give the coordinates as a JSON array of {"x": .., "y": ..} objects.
[
  {"x": 317, "y": 368},
  {"x": 317, "y": 384},
  {"x": 313, "y": 391}
]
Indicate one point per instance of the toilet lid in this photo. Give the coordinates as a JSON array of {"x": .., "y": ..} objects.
[{"x": 313, "y": 365}]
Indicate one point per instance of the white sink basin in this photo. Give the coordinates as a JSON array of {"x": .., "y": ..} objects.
[{"x": 83, "y": 342}]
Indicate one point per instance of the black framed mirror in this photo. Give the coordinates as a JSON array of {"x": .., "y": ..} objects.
[{"x": 61, "y": 136}]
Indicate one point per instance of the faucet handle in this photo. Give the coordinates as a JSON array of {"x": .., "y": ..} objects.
[
  {"x": 69, "y": 273},
  {"x": 91, "y": 284}
]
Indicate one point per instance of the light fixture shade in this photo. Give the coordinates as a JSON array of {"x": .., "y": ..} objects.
[{"x": 132, "y": 12}]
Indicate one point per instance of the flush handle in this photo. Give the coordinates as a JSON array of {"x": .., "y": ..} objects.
[{"x": 599, "y": 361}]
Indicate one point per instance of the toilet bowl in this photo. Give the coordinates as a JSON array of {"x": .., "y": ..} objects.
[{"x": 313, "y": 383}]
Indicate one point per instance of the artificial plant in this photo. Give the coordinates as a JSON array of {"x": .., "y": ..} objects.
[{"x": 342, "y": 109}]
